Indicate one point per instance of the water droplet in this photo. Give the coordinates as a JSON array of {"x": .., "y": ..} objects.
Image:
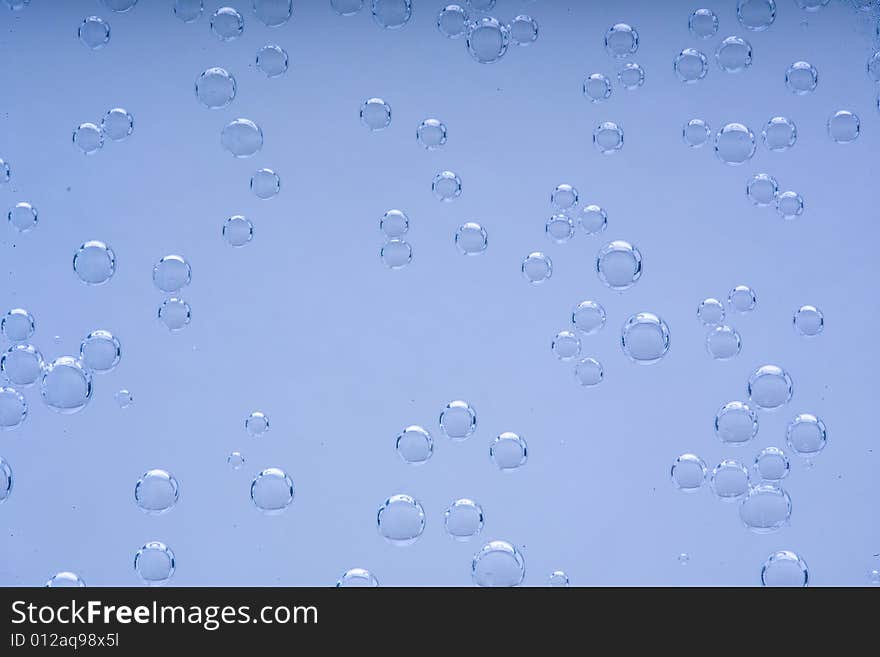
[
  {"x": 730, "y": 480},
  {"x": 100, "y": 351},
  {"x": 235, "y": 460},
  {"x": 498, "y": 563},
  {"x": 23, "y": 217},
  {"x": 357, "y": 577},
  {"x": 801, "y": 78},
  {"x": 265, "y": 184},
  {"x": 156, "y": 492},
  {"x": 809, "y": 321},
  {"x": 734, "y": 144},
  {"x": 703, "y": 23},
  {"x": 589, "y": 372},
  {"x": 619, "y": 265},
  {"x": 66, "y": 386},
  {"x": 431, "y": 134},
  {"x": 631, "y": 76},
  {"x": 734, "y": 54},
  {"x": 770, "y": 387},
  {"x": 5, "y": 171},
  {"x": 844, "y": 127},
  {"x": 227, "y": 24},
  {"x": 375, "y": 114},
  {"x": 696, "y": 133},
  {"x": 401, "y": 520},
  {"x": 711, "y": 312},
  {"x": 272, "y": 60},
  {"x": 188, "y": 10},
  {"x": 463, "y": 519},
  {"x": 13, "y": 412},
  {"x": 588, "y": 317},
  {"x": 242, "y": 138},
  {"x": 396, "y": 254},
  {"x": 256, "y": 424},
  {"x": 5, "y": 480},
  {"x": 723, "y": 342},
  {"x": 272, "y": 491},
  {"x": 621, "y": 40},
  {"x": 784, "y": 568},
  {"x": 559, "y": 228},
  {"x": 175, "y": 314},
  {"x": 392, "y": 14},
  {"x": 453, "y": 21},
  {"x": 742, "y": 299},
  {"x": 597, "y": 87},
  {"x": 691, "y": 65},
  {"x": 765, "y": 509},
  {"x": 487, "y": 40},
  {"x": 736, "y": 423},
  {"x": 415, "y": 445},
  {"x": 172, "y": 273},
  {"x": 94, "y": 32},
  {"x": 771, "y": 464},
  {"x": 458, "y": 420},
  {"x": 123, "y": 398},
  {"x": 238, "y": 230},
  {"x": 806, "y": 435},
  {"x": 154, "y": 563},
  {"x": 446, "y": 186},
  {"x": 789, "y": 205},
  {"x": 779, "y": 134},
  {"x": 215, "y": 88},
  {"x": 117, "y": 124},
  {"x": 523, "y": 30},
  {"x": 564, "y": 197},
  {"x": 88, "y": 137},
  {"x": 273, "y": 12},
  {"x": 645, "y": 338},
  {"x": 18, "y": 325},
  {"x": 756, "y": 15},
  {"x": 347, "y": 7},
  {"x": 394, "y": 223},
  {"x": 471, "y": 238},
  {"x": 65, "y": 580},
  {"x": 558, "y": 579},
  {"x": 537, "y": 267},
  {"x": 762, "y": 189},
  {"x": 608, "y": 137}
]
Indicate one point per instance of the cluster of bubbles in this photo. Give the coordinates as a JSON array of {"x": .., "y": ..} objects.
[
  {"x": 724, "y": 342},
  {"x": 171, "y": 274},
  {"x": 117, "y": 124},
  {"x": 487, "y": 38}
]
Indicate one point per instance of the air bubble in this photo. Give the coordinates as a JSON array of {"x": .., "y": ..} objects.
[
  {"x": 808, "y": 321},
  {"x": 779, "y": 134},
  {"x": 756, "y": 15},
  {"x": 762, "y": 189},
  {"x": 94, "y": 32},
  {"x": 394, "y": 223},
  {"x": 597, "y": 87},
  {"x": 18, "y": 325},
  {"x": 100, "y": 351},
  {"x": 765, "y": 509},
  {"x": 156, "y": 492},
  {"x": 559, "y": 228},
  {"x": 742, "y": 299},
  {"x": 88, "y": 137},
  {"x": 238, "y": 230},
  {"x": 13, "y": 413},
  {"x": 154, "y": 563},
  {"x": 785, "y": 568},
  {"x": 498, "y": 563},
  {"x": 523, "y": 30},
  {"x": 771, "y": 464},
  {"x": 431, "y": 134},
  {"x": 696, "y": 133},
  {"x": 256, "y": 424},
  {"x": 273, "y": 13},
  {"x": 588, "y": 317},
  {"x": 844, "y": 127},
  {"x": 453, "y": 21},
  {"x": 770, "y": 387},
  {"x": 227, "y": 24},
  {"x": 241, "y": 138},
  {"x": 711, "y": 312},
  {"x": 66, "y": 386},
  {"x": 357, "y": 577},
  {"x": 806, "y": 435},
  {"x": 120, "y": 6},
  {"x": 272, "y": 60},
  {"x": 564, "y": 197},
  {"x": 94, "y": 263},
  {"x": 734, "y": 144},
  {"x": 401, "y": 520},
  {"x": 487, "y": 40},
  {"x": 621, "y": 40},
  {"x": 175, "y": 314},
  {"x": 703, "y": 23},
  {"x": 23, "y": 217},
  {"x": 558, "y": 579},
  {"x": 608, "y": 137},
  {"x": 730, "y": 480},
  {"x": 415, "y": 445},
  {"x": 117, "y": 124},
  {"x": 619, "y": 265},
  {"x": 235, "y": 460},
  {"x": 347, "y": 7},
  {"x": 789, "y": 205},
  {"x": 446, "y": 186},
  {"x": 631, "y": 76},
  {"x": 458, "y": 420},
  {"x": 6, "y": 480},
  {"x": 589, "y": 372},
  {"x": 172, "y": 273},
  {"x": 736, "y": 423},
  {"x": 188, "y": 10},
  {"x": 463, "y": 519},
  {"x": 471, "y": 238},
  {"x": 688, "y": 473},
  {"x": 396, "y": 254},
  {"x": 5, "y": 171},
  {"x": 593, "y": 219},
  {"x": 536, "y": 267},
  {"x": 723, "y": 342},
  {"x": 272, "y": 491},
  {"x": 802, "y": 78},
  {"x": 645, "y": 338},
  {"x": 566, "y": 345},
  {"x": 22, "y": 364},
  {"x": 691, "y": 65},
  {"x": 734, "y": 54},
  {"x": 215, "y": 88},
  {"x": 392, "y": 14},
  {"x": 65, "y": 580},
  {"x": 123, "y": 398},
  {"x": 265, "y": 184}
]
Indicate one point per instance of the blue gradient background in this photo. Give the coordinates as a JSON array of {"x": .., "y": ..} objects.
[{"x": 307, "y": 325}]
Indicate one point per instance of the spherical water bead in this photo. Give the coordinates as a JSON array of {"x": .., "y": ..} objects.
[
  {"x": 779, "y": 134},
  {"x": 431, "y": 134},
  {"x": 453, "y": 21},
  {"x": 608, "y": 137},
  {"x": 771, "y": 464},
  {"x": 801, "y": 78},
  {"x": 723, "y": 342},
  {"x": 346, "y": 7},
  {"x": 564, "y": 197},
  {"x": 272, "y": 60},
  {"x": 215, "y": 88},
  {"x": 756, "y": 15},
  {"x": 18, "y": 325},
  {"x": 94, "y": 32},
  {"x": 401, "y": 520},
  {"x": 696, "y": 133},
  {"x": 691, "y": 65},
  {"x": 273, "y": 13},
  {"x": 172, "y": 273},
  {"x": 5, "y": 171},
  {"x": 873, "y": 65},
  {"x": 392, "y": 14},
  {"x": 256, "y": 424},
  {"x": 156, "y": 492},
  {"x": 123, "y": 398},
  {"x": 566, "y": 345},
  {"x": 559, "y": 228},
  {"x": 619, "y": 265},
  {"x": 88, "y": 137},
  {"x": 66, "y": 386},
  {"x": 415, "y": 445},
  {"x": 65, "y": 580},
  {"x": 154, "y": 563},
  {"x": 235, "y": 460},
  {"x": 446, "y": 186},
  {"x": 688, "y": 472},
  {"x": 589, "y": 372},
  {"x": 631, "y": 76},
  {"x": 242, "y": 137},
  {"x": 394, "y": 223},
  {"x": 736, "y": 423},
  {"x": 23, "y": 217},
  {"x": 730, "y": 480},
  {"x": 272, "y": 491},
  {"x": 734, "y": 144},
  {"x": 94, "y": 263},
  {"x": 238, "y": 231},
  {"x": 588, "y": 317},
  {"x": 742, "y": 299},
  {"x": 537, "y": 267},
  {"x": 188, "y": 10},
  {"x": 711, "y": 312},
  {"x": 5, "y": 480},
  {"x": 789, "y": 205},
  {"x": 487, "y": 40},
  {"x": 597, "y": 87},
  {"x": 227, "y": 24},
  {"x": 645, "y": 338},
  {"x": 396, "y": 254},
  {"x": 22, "y": 364},
  {"x": 458, "y": 420},
  {"x": 808, "y": 321},
  {"x": 765, "y": 509},
  {"x": 498, "y": 563},
  {"x": 471, "y": 238},
  {"x": 13, "y": 411},
  {"x": 806, "y": 435},
  {"x": 785, "y": 568},
  {"x": 357, "y": 577},
  {"x": 523, "y": 30},
  {"x": 770, "y": 387},
  {"x": 734, "y": 54},
  {"x": 844, "y": 126},
  {"x": 558, "y": 579},
  {"x": 375, "y": 114},
  {"x": 703, "y": 23},
  {"x": 463, "y": 519},
  {"x": 621, "y": 40},
  {"x": 175, "y": 314},
  {"x": 593, "y": 219},
  {"x": 100, "y": 351},
  {"x": 265, "y": 184}
]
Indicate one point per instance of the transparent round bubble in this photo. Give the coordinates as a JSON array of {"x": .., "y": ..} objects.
[
  {"x": 559, "y": 228},
  {"x": 175, "y": 314},
  {"x": 734, "y": 54},
  {"x": 566, "y": 345},
  {"x": 523, "y": 30},
  {"x": 723, "y": 342},
  {"x": 742, "y": 299},
  {"x": 779, "y": 134},
  {"x": 597, "y": 87},
  {"x": 458, "y": 420},
  {"x": 734, "y": 144},
  {"x": 844, "y": 126},
  {"x": 691, "y": 65},
  {"x": 762, "y": 189},
  {"x": 770, "y": 387},
  {"x": 23, "y": 217},
  {"x": 446, "y": 186},
  {"x": 711, "y": 312},
  {"x": 696, "y": 133},
  {"x": 242, "y": 137},
  {"x": 688, "y": 472},
  {"x": 703, "y": 23},
  {"x": 801, "y": 78},
  {"x": 117, "y": 124},
  {"x": 631, "y": 76},
  {"x": 273, "y": 12},
  {"x": 730, "y": 480},
  {"x": 272, "y": 491},
  {"x": 18, "y": 325},
  {"x": 120, "y": 6},
  {"x": 94, "y": 32},
  {"x": 811, "y": 5},
  {"x": 401, "y": 520},
  {"x": 215, "y": 88},
  {"x": 498, "y": 563},
  {"x": 463, "y": 519},
  {"x": 558, "y": 579},
  {"x": 238, "y": 230},
  {"x": 154, "y": 563},
  {"x": 272, "y": 60},
  {"x": 765, "y": 509},
  {"x": 873, "y": 65},
  {"x": 589, "y": 372},
  {"x": 619, "y": 265},
  {"x": 394, "y": 223},
  {"x": 392, "y": 14},
  {"x": 22, "y": 364},
  {"x": 772, "y": 464},
  {"x": 736, "y": 423},
  {"x": 65, "y": 580},
  {"x": 756, "y": 15},
  {"x": 235, "y": 460},
  {"x": 593, "y": 219},
  {"x": 94, "y": 263},
  {"x": 789, "y": 205},
  {"x": 6, "y": 480},
  {"x": 172, "y": 273},
  {"x": 431, "y": 134},
  {"x": 415, "y": 445},
  {"x": 357, "y": 577},
  {"x": 156, "y": 492},
  {"x": 645, "y": 338},
  {"x": 100, "y": 351},
  {"x": 453, "y": 21},
  {"x": 347, "y": 7},
  {"x": 784, "y": 568},
  {"x": 123, "y": 398},
  {"x": 621, "y": 40},
  {"x": 5, "y": 171},
  {"x": 375, "y": 114},
  {"x": 471, "y": 238},
  {"x": 537, "y": 267},
  {"x": 66, "y": 386},
  {"x": 88, "y": 137},
  {"x": 13, "y": 411},
  {"x": 256, "y": 424},
  {"x": 808, "y": 321},
  {"x": 608, "y": 137},
  {"x": 227, "y": 24},
  {"x": 806, "y": 435},
  {"x": 396, "y": 254},
  {"x": 564, "y": 197},
  {"x": 487, "y": 40},
  {"x": 588, "y": 317},
  {"x": 188, "y": 10},
  {"x": 265, "y": 184}
]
